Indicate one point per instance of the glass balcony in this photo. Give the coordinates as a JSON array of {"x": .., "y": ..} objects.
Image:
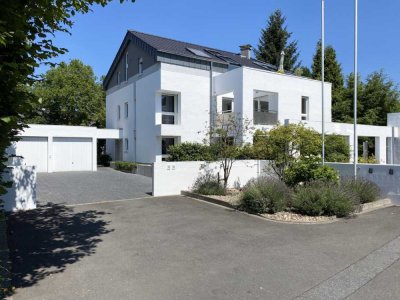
[
  {"x": 225, "y": 117},
  {"x": 267, "y": 117}
]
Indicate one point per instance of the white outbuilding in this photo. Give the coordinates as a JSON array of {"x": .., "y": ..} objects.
[{"x": 59, "y": 148}]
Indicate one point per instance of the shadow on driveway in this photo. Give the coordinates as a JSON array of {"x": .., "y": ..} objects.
[{"x": 44, "y": 241}]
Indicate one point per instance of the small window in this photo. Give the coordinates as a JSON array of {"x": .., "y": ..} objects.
[
  {"x": 118, "y": 78},
  {"x": 165, "y": 143},
  {"x": 126, "y": 110},
  {"x": 126, "y": 66},
  {"x": 304, "y": 108},
  {"x": 119, "y": 112},
  {"x": 227, "y": 105},
  {"x": 140, "y": 65},
  {"x": 169, "y": 109},
  {"x": 126, "y": 144}
]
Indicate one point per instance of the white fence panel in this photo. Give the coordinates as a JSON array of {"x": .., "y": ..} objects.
[{"x": 170, "y": 178}]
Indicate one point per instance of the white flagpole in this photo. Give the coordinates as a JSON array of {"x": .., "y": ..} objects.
[
  {"x": 323, "y": 76},
  {"x": 355, "y": 150}
]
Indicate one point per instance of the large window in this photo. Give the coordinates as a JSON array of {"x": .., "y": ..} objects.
[
  {"x": 304, "y": 108},
  {"x": 169, "y": 109},
  {"x": 227, "y": 105}
]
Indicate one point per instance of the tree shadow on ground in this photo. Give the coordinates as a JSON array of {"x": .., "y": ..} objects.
[{"x": 46, "y": 240}]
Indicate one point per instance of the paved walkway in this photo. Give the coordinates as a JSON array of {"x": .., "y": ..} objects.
[
  {"x": 181, "y": 248},
  {"x": 88, "y": 187}
]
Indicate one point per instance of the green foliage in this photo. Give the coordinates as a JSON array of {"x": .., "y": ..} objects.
[
  {"x": 246, "y": 152},
  {"x": 309, "y": 169},
  {"x": 275, "y": 38},
  {"x": 125, "y": 166},
  {"x": 321, "y": 198},
  {"x": 226, "y": 142},
  {"x": 369, "y": 160},
  {"x": 189, "y": 152},
  {"x": 208, "y": 185},
  {"x": 104, "y": 160},
  {"x": 265, "y": 195},
  {"x": 26, "y": 32},
  {"x": 70, "y": 95},
  {"x": 285, "y": 144},
  {"x": 337, "y": 149},
  {"x": 333, "y": 74},
  {"x": 365, "y": 190}
]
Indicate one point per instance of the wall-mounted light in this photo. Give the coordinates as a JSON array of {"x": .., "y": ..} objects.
[
  {"x": 391, "y": 171},
  {"x": 370, "y": 170}
]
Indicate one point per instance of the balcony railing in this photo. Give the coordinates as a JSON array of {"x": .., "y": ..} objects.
[{"x": 269, "y": 117}]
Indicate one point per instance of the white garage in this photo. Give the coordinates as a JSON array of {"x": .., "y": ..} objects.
[{"x": 53, "y": 148}]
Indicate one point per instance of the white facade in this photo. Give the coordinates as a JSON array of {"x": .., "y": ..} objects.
[
  {"x": 196, "y": 92},
  {"x": 54, "y": 148}
]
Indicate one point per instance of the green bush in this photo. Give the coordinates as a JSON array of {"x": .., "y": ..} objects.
[
  {"x": 208, "y": 185},
  {"x": 104, "y": 160},
  {"x": 337, "y": 149},
  {"x": 307, "y": 170},
  {"x": 125, "y": 166},
  {"x": 365, "y": 190},
  {"x": 189, "y": 152},
  {"x": 265, "y": 195},
  {"x": 323, "y": 198}
]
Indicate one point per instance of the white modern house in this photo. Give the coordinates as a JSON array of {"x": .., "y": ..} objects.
[{"x": 162, "y": 92}]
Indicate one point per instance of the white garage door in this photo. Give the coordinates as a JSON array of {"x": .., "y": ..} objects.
[
  {"x": 72, "y": 154},
  {"x": 34, "y": 152}
]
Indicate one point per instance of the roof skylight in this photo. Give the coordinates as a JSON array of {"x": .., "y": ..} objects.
[{"x": 198, "y": 52}]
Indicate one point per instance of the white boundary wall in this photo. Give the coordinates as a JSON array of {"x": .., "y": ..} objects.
[
  {"x": 22, "y": 194},
  {"x": 389, "y": 184},
  {"x": 170, "y": 178}
]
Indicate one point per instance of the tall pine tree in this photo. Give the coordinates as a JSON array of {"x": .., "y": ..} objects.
[
  {"x": 275, "y": 38},
  {"x": 334, "y": 75}
]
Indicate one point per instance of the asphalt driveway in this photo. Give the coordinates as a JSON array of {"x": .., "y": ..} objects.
[
  {"x": 87, "y": 187},
  {"x": 181, "y": 248}
]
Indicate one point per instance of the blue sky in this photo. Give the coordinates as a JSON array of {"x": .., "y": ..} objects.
[{"x": 225, "y": 24}]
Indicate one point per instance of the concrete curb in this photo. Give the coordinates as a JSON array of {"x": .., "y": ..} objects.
[
  {"x": 208, "y": 199},
  {"x": 364, "y": 208},
  {"x": 382, "y": 203}
]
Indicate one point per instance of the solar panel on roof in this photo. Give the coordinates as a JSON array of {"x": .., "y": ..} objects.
[
  {"x": 198, "y": 52},
  {"x": 213, "y": 52}
]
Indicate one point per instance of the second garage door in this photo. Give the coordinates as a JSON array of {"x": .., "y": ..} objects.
[{"x": 72, "y": 154}]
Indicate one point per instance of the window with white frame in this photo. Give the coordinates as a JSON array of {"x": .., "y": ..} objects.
[
  {"x": 140, "y": 65},
  {"x": 126, "y": 145},
  {"x": 165, "y": 143},
  {"x": 169, "y": 106},
  {"x": 126, "y": 109},
  {"x": 126, "y": 66},
  {"x": 304, "y": 108},
  {"x": 227, "y": 105},
  {"x": 119, "y": 112}
]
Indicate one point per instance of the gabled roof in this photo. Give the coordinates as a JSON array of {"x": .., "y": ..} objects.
[
  {"x": 156, "y": 44},
  {"x": 172, "y": 46}
]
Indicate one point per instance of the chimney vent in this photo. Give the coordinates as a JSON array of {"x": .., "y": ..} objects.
[{"x": 245, "y": 51}]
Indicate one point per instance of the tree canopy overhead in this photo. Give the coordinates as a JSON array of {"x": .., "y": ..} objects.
[
  {"x": 70, "y": 95},
  {"x": 275, "y": 38},
  {"x": 27, "y": 29}
]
